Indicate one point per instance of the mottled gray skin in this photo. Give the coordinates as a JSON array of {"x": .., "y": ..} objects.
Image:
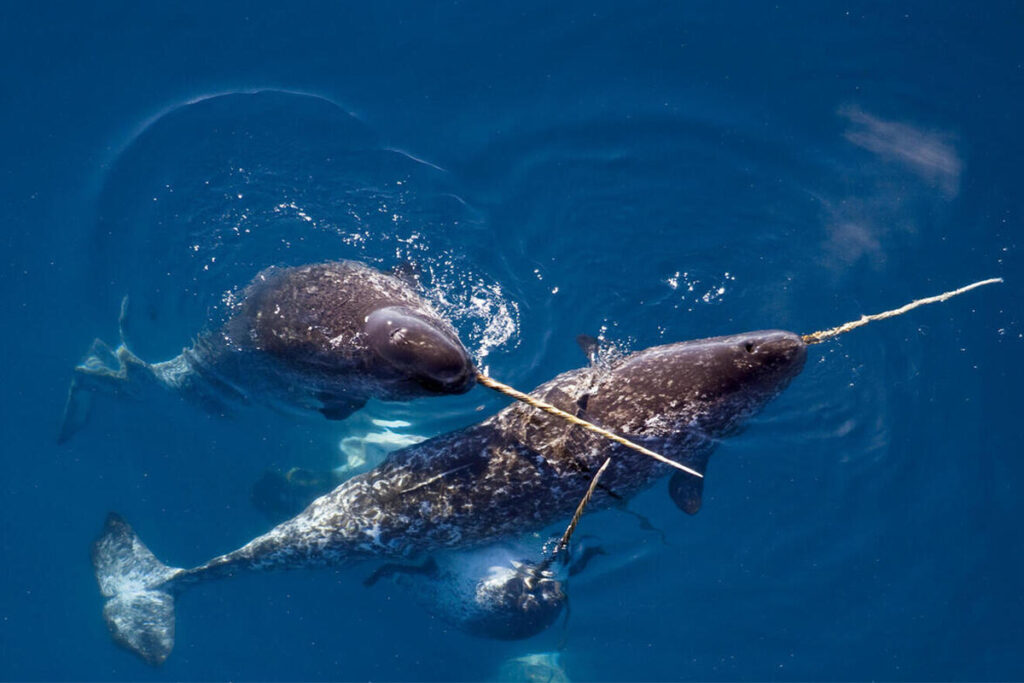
[
  {"x": 324, "y": 337},
  {"x": 319, "y": 327},
  {"x": 522, "y": 470}
]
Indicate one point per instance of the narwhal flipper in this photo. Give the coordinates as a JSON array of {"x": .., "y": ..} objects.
[
  {"x": 687, "y": 490},
  {"x": 338, "y": 407},
  {"x": 389, "y": 571}
]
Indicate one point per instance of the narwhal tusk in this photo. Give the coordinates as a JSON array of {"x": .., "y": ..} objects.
[
  {"x": 558, "y": 412},
  {"x": 812, "y": 338},
  {"x": 563, "y": 542},
  {"x": 818, "y": 337}
]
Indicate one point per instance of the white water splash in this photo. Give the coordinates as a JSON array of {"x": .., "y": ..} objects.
[
  {"x": 481, "y": 310},
  {"x": 697, "y": 290}
]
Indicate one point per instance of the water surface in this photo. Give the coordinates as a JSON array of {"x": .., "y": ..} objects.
[{"x": 644, "y": 173}]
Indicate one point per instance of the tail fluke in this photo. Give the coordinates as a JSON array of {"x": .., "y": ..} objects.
[
  {"x": 140, "y": 608},
  {"x": 77, "y": 409},
  {"x": 111, "y": 371}
]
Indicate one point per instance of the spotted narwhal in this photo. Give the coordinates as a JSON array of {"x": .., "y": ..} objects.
[
  {"x": 324, "y": 338},
  {"x": 516, "y": 472}
]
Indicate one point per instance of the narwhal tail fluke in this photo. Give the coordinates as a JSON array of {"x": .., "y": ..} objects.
[
  {"x": 140, "y": 607},
  {"x": 77, "y": 408},
  {"x": 105, "y": 370}
]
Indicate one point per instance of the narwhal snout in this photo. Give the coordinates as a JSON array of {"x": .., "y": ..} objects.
[
  {"x": 448, "y": 369},
  {"x": 413, "y": 346},
  {"x": 775, "y": 350}
]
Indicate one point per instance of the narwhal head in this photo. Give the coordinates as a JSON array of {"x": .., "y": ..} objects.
[
  {"x": 706, "y": 386},
  {"x": 515, "y": 601},
  {"x": 420, "y": 351},
  {"x": 343, "y": 325}
]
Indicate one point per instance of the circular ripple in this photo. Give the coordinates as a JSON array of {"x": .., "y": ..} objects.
[{"x": 213, "y": 191}]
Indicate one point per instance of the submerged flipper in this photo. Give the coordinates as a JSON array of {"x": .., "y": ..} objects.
[
  {"x": 338, "y": 408},
  {"x": 387, "y": 571},
  {"x": 687, "y": 490},
  {"x": 140, "y": 609}
]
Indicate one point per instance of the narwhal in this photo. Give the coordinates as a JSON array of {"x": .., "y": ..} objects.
[
  {"x": 517, "y": 472},
  {"x": 320, "y": 338}
]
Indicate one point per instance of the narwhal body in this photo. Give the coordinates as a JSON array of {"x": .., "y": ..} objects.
[
  {"x": 320, "y": 338},
  {"x": 516, "y": 472}
]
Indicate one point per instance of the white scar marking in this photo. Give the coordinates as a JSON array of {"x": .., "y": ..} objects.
[{"x": 435, "y": 478}]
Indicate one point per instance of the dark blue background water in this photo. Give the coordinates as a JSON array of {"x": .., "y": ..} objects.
[{"x": 656, "y": 171}]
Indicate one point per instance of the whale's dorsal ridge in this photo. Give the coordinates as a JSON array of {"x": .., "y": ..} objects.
[{"x": 589, "y": 345}]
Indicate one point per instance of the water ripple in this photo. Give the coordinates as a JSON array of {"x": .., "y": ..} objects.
[{"x": 212, "y": 191}]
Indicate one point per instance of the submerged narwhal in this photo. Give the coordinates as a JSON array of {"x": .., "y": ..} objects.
[
  {"x": 516, "y": 472},
  {"x": 324, "y": 337}
]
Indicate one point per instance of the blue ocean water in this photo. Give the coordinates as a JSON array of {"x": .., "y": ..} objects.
[{"x": 647, "y": 172}]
